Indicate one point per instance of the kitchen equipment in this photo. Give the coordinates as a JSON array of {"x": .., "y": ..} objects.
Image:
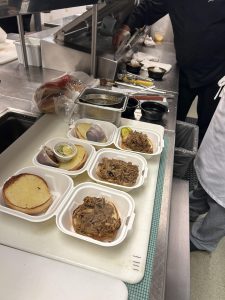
[
  {"x": 108, "y": 128},
  {"x": 73, "y": 41},
  {"x": 102, "y": 99},
  {"x": 153, "y": 111},
  {"x": 135, "y": 159},
  {"x": 105, "y": 113},
  {"x": 123, "y": 202},
  {"x": 59, "y": 185},
  {"x": 135, "y": 80},
  {"x": 33, "y": 48}
]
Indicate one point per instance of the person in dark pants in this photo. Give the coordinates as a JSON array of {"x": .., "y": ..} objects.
[
  {"x": 207, "y": 200},
  {"x": 200, "y": 53},
  {"x": 206, "y": 105}
]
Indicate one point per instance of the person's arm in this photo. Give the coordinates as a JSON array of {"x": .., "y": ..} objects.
[{"x": 146, "y": 13}]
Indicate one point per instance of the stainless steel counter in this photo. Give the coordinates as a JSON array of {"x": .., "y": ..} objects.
[
  {"x": 165, "y": 53},
  {"x": 18, "y": 84},
  {"x": 16, "y": 90}
]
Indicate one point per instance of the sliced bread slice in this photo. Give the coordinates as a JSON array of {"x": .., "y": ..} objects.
[{"x": 77, "y": 161}]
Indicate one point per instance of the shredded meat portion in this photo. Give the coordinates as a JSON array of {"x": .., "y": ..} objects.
[
  {"x": 97, "y": 219},
  {"x": 138, "y": 141},
  {"x": 117, "y": 171}
]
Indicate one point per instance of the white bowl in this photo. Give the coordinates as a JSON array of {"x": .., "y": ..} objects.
[
  {"x": 158, "y": 142},
  {"x": 122, "y": 201},
  {"x": 61, "y": 157},
  {"x": 108, "y": 128},
  {"x": 51, "y": 143},
  {"x": 59, "y": 184},
  {"x": 135, "y": 159}
]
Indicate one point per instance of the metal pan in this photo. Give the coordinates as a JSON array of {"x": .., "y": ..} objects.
[{"x": 102, "y": 99}]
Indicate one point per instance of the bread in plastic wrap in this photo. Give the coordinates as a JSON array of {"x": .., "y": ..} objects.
[{"x": 58, "y": 88}]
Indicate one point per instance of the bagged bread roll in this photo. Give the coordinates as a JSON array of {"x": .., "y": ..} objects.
[{"x": 58, "y": 88}]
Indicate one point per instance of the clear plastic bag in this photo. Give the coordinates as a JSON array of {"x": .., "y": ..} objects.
[{"x": 64, "y": 87}]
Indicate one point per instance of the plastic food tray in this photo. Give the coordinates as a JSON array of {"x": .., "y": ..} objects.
[
  {"x": 108, "y": 128},
  {"x": 50, "y": 143},
  {"x": 59, "y": 184},
  {"x": 122, "y": 201},
  {"x": 134, "y": 158},
  {"x": 158, "y": 142}
]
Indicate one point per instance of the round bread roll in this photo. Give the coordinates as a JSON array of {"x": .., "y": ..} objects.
[{"x": 28, "y": 193}]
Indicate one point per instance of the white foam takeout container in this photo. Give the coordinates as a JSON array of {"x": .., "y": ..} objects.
[
  {"x": 108, "y": 128},
  {"x": 158, "y": 142},
  {"x": 123, "y": 202},
  {"x": 59, "y": 184},
  {"x": 51, "y": 143},
  {"x": 134, "y": 158}
]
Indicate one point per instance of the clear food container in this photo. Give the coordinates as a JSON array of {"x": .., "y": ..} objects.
[
  {"x": 158, "y": 142},
  {"x": 135, "y": 159},
  {"x": 33, "y": 48},
  {"x": 123, "y": 202},
  {"x": 108, "y": 128},
  {"x": 59, "y": 184},
  {"x": 51, "y": 143}
]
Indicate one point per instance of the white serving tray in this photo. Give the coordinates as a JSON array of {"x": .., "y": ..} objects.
[
  {"x": 108, "y": 128},
  {"x": 52, "y": 142},
  {"x": 134, "y": 158},
  {"x": 59, "y": 184},
  {"x": 125, "y": 261}
]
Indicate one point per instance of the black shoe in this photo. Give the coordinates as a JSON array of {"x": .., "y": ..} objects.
[{"x": 193, "y": 247}]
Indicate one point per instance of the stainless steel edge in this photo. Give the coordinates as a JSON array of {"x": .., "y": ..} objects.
[
  {"x": 19, "y": 111},
  {"x": 157, "y": 290},
  {"x": 178, "y": 262}
]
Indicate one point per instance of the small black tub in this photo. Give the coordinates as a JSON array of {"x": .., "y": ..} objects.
[{"x": 153, "y": 111}]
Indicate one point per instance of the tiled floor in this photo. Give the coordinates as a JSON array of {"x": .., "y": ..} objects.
[
  {"x": 208, "y": 274},
  {"x": 207, "y": 270}
]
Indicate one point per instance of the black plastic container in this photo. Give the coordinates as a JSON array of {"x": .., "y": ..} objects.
[
  {"x": 132, "y": 104},
  {"x": 186, "y": 147},
  {"x": 156, "y": 73},
  {"x": 153, "y": 111},
  {"x": 133, "y": 69}
]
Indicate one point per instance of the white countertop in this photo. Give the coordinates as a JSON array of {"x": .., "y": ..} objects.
[{"x": 25, "y": 276}]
